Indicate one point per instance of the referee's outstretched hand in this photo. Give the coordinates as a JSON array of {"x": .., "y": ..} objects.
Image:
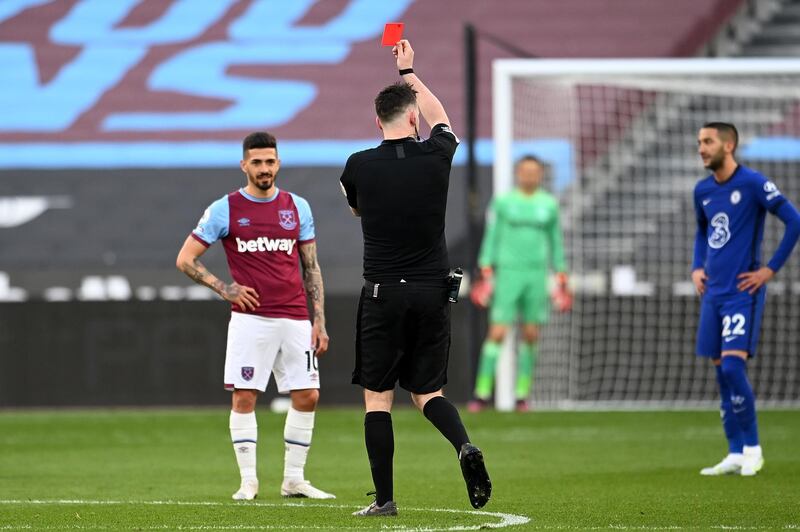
[{"x": 404, "y": 54}]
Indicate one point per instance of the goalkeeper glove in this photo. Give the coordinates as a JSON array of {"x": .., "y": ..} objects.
[
  {"x": 561, "y": 296},
  {"x": 482, "y": 289}
]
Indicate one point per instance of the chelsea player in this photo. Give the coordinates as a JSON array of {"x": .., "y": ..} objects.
[{"x": 731, "y": 206}]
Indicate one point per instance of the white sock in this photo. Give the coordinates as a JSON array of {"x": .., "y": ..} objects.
[
  {"x": 297, "y": 436},
  {"x": 244, "y": 434},
  {"x": 754, "y": 450}
]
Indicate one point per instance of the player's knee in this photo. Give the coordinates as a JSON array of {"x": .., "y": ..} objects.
[
  {"x": 497, "y": 333},
  {"x": 530, "y": 335},
  {"x": 244, "y": 401},
  {"x": 305, "y": 400},
  {"x": 727, "y": 371},
  {"x": 731, "y": 366}
]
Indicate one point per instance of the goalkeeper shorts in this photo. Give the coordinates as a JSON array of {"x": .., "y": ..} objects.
[{"x": 520, "y": 293}]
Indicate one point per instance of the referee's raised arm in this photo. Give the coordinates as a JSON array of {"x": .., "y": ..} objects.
[{"x": 430, "y": 107}]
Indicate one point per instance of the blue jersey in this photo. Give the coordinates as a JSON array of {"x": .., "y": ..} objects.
[{"x": 730, "y": 227}]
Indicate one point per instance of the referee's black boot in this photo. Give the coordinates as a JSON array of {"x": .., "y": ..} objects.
[{"x": 479, "y": 487}]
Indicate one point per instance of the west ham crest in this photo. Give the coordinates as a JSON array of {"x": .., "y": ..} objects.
[
  {"x": 287, "y": 219},
  {"x": 248, "y": 372}
]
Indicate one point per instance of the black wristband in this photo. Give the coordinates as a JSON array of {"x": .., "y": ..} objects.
[{"x": 405, "y": 71}]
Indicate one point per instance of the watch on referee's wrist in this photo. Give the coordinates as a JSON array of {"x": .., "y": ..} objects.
[{"x": 404, "y": 71}]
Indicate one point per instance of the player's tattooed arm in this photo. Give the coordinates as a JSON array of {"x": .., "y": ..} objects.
[
  {"x": 312, "y": 279},
  {"x": 189, "y": 263},
  {"x": 198, "y": 273}
]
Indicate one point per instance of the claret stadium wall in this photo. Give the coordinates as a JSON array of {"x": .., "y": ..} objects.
[{"x": 121, "y": 121}]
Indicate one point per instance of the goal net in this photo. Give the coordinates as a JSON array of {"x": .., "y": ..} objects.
[{"x": 619, "y": 140}]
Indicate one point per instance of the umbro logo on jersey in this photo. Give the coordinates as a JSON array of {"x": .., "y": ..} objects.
[
  {"x": 244, "y": 222},
  {"x": 265, "y": 244}
]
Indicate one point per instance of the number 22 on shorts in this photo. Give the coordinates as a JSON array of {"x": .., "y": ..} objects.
[{"x": 738, "y": 321}]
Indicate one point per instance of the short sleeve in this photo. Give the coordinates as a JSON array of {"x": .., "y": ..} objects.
[
  {"x": 768, "y": 194},
  {"x": 306, "y": 218},
  {"x": 347, "y": 182},
  {"x": 214, "y": 223},
  {"x": 443, "y": 139}
]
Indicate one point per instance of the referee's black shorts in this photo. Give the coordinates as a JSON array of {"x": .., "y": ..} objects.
[{"x": 403, "y": 333}]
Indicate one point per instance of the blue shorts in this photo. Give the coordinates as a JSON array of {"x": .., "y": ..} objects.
[{"x": 730, "y": 323}]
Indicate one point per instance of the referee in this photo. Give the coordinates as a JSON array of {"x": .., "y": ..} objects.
[{"x": 399, "y": 190}]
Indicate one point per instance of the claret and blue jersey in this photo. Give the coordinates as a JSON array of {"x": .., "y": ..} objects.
[
  {"x": 730, "y": 230},
  {"x": 260, "y": 238}
]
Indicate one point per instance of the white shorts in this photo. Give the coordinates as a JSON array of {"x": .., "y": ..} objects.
[{"x": 258, "y": 346}]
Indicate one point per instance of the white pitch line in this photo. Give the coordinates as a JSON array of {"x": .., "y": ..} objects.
[{"x": 506, "y": 520}]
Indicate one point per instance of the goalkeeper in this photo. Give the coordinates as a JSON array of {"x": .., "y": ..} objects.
[{"x": 522, "y": 239}]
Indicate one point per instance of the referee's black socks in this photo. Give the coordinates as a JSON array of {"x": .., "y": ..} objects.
[
  {"x": 444, "y": 417},
  {"x": 379, "y": 438}
]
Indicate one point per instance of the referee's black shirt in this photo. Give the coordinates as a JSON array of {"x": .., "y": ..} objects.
[{"x": 400, "y": 191}]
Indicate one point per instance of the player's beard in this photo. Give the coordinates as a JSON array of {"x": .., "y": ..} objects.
[
  {"x": 263, "y": 185},
  {"x": 715, "y": 161}
]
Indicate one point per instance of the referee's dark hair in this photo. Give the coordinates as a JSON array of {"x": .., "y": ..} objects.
[
  {"x": 393, "y": 100},
  {"x": 726, "y": 131},
  {"x": 258, "y": 139}
]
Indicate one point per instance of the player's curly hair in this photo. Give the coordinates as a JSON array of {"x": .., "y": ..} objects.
[
  {"x": 393, "y": 100},
  {"x": 259, "y": 139}
]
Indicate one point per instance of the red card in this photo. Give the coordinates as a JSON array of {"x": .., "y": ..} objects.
[{"x": 392, "y": 32}]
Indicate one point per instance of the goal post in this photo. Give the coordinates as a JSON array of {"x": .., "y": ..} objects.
[{"x": 619, "y": 141}]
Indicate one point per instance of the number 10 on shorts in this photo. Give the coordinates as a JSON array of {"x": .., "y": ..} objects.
[{"x": 311, "y": 360}]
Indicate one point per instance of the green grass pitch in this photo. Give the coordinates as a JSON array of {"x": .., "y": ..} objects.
[{"x": 174, "y": 469}]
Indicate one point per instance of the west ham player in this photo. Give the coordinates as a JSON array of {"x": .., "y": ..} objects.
[
  {"x": 731, "y": 206},
  {"x": 263, "y": 230}
]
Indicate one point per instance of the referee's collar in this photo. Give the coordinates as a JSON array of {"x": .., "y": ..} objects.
[{"x": 398, "y": 141}]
